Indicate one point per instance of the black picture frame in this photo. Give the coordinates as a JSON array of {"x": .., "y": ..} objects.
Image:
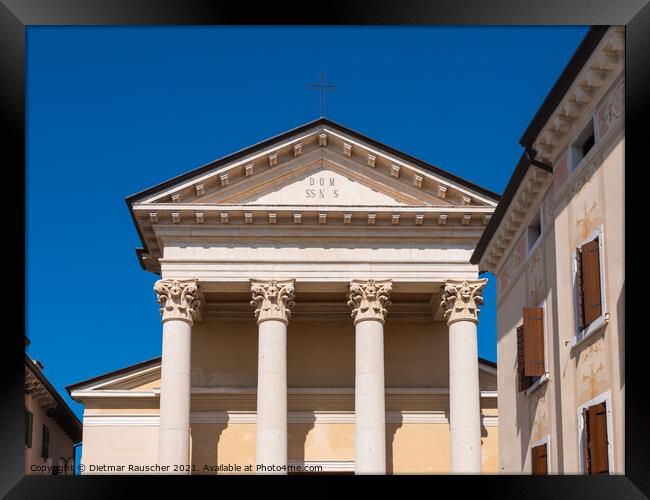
[{"x": 17, "y": 15}]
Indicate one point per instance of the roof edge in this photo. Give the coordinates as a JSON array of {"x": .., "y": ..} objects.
[
  {"x": 563, "y": 83},
  {"x": 126, "y": 369},
  {"x": 497, "y": 216},
  {"x": 55, "y": 394}
]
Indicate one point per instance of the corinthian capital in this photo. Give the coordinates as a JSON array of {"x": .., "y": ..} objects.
[
  {"x": 369, "y": 299},
  {"x": 179, "y": 299},
  {"x": 272, "y": 300},
  {"x": 460, "y": 299}
]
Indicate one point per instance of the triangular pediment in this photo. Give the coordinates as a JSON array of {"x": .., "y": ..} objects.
[
  {"x": 353, "y": 178},
  {"x": 319, "y": 182},
  {"x": 321, "y": 164}
]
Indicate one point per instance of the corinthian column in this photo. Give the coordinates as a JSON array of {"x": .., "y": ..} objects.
[
  {"x": 369, "y": 301},
  {"x": 460, "y": 300},
  {"x": 272, "y": 301},
  {"x": 180, "y": 305}
]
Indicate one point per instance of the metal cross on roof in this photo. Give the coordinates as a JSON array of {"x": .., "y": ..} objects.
[{"x": 322, "y": 86}]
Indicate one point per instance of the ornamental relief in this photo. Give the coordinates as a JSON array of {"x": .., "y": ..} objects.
[
  {"x": 460, "y": 300},
  {"x": 591, "y": 369},
  {"x": 369, "y": 300},
  {"x": 586, "y": 210},
  {"x": 536, "y": 277},
  {"x": 510, "y": 268},
  {"x": 547, "y": 211},
  {"x": 272, "y": 300},
  {"x": 611, "y": 111},
  {"x": 179, "y": 299}
]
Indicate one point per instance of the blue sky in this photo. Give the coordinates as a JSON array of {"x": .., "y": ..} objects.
[{"x": 112, "y": 111}]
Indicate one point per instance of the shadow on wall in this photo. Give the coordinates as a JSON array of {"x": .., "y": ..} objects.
[
  {"x": 391, "y": 431},
  {"x": 205, "y": 447},
  {"x": 620, "y": 320},
  {"x": 297, "y": 438}
]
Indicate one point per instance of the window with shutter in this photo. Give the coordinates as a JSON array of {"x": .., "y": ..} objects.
[
  {"x": 591, "y": 293},
  {"x": 45, "y": 443},
  {"x": 534, "y": 341},
  {"x": 524, "y": 382},
  {"x": 596, "y": 441},
  {"x": 580, "y": 311},
  {"x": 29, "y": 424},
  {"x": 540, "y": 461}
]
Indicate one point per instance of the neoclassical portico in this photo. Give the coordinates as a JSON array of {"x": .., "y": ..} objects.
[
  {"x": 369, "y": 300},
  {"x": 314, "y": 229}
]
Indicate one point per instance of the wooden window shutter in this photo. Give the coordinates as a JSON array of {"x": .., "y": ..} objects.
[
  {"x": 524, "y": 382},
  {"x": 580, "y": 310},
  {"x": 45, "y": 443},
  {"x": 534, "y": 341},
  {"x": 591, "y": 300},
  {"x": 540, "y": 463},
  {"x": 597, "y": 444},
  {"x": 29, "y": 424}
]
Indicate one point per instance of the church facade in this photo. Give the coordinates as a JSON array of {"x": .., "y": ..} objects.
[
  {"x": 556, "y": 245},
  {"x": 319, "y": 313}
]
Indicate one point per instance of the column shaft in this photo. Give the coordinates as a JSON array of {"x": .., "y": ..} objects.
[
  {"x": 369, "y": 301},
  {"x": 460, "y": 300},
  {"x": 464, "y": 398},
  {"x": 271, "y": 444},
  {"x": 180, "y": 303},
  {"x": 369, "y": 399},
  {"x": 272, "y": 301}
]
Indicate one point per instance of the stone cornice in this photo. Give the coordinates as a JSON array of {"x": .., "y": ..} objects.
[
  {"x": 527, "y": 197},
  {"x": 369, "y": 300},
  {"x": 272, "y": 299},
  {"x": 590, "y": 86},
  {"x": 597, "y": 75},
  {"x": 179, "y": 299},
  {"x": 38, "y": 391}
]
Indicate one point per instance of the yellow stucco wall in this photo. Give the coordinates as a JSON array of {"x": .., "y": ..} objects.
[
  {"x": 576, "y": 204},
  {"x": 320, "y": 355}
]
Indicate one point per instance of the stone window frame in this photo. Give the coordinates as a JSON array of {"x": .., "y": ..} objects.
[
  {"x": 547, "y": 441},
  {"x": 532, "y": 246},
  {"x": 590, "y": 122},
  {"x": 604, "y": 397},
  {"x": 546, "y": 376},
  {"x": 602, "y": 320}
]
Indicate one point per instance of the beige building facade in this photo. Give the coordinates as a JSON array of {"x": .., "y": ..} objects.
[
  {"x": 319, "y": 312},
  {"x": 556, "y": 247},
  {"x": 51, "y": 428}
]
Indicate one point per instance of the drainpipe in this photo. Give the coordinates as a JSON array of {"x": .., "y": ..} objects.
[
  {"x": 74, "y": 456},
  {"x": 531, "y": 153}
]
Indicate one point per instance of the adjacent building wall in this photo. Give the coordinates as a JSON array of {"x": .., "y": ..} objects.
[
  {"x": 577, "y": 203},
  {"x": 60, "y": 444}
]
